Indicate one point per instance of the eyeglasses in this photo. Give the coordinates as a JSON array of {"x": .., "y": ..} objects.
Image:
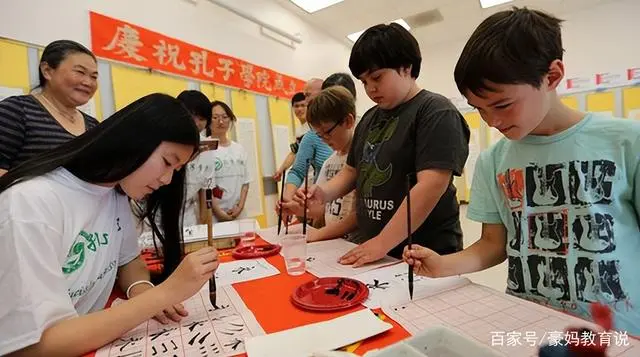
[{"x": 327, "y": 134}]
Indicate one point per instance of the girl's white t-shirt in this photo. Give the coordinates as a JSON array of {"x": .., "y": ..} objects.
[
  {"x": 61, "y": 243},
  {"x": 231, "y": 173}
]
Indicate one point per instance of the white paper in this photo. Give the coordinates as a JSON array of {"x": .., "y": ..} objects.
[
  {"x": 238, "y": 271},
  {"x": 322, "y": 336},
  {"x": 247, "y": 137},
  {"x": 322, "y": 259},
  {"x": 281, "y": 143},
  {"x": 484, "y": 314},
  {"x": 634, "y": 114},
  {"x": 6, "y": 92},
  {"x": 390, "y": 285},
  {"x": 214, "y": 331}
]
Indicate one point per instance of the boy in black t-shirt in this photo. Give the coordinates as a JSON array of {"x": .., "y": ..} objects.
[{"x": 409, "y": 131}]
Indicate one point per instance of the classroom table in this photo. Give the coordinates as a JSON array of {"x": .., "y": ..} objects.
[{"x": 269, "y": 300}]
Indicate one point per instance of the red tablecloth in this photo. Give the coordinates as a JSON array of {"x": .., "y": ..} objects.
[{"x": 269, "y": 300}]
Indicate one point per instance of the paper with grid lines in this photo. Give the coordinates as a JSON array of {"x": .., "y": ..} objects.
[
  {"x": 509, "y": 325},
  {"x": 208, "y": 331}
]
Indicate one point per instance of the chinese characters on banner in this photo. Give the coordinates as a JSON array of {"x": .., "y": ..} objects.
[{"x": 121, "y": 41}]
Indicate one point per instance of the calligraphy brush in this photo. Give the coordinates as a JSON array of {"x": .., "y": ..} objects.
[
  {"x": 409, "y": 234},
  {"x": 284, "y": 173},
  {"x": 306, "y": 195},
  {"x": 212, "y": 281}
]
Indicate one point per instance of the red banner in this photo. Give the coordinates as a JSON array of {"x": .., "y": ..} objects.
[{"x": 124, "y": 42}]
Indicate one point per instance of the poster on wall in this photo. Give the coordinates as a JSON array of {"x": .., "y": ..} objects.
[
  {"x": 247, "y": 137},
  {"x": 281, "y": 142},
  {"x": 474, "y": 152},
  {"x": 121, "y": 41},
  {"x": 6, "y": 92}
]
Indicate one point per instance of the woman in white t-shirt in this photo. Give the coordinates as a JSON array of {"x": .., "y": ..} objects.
[
  {"x": 68, "y": 231},
  {"x": 200, "y": 174},
  {"x": 232, "y": 172}
]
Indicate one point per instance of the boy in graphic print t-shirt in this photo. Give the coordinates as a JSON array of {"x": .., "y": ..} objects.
[{"x": 560, "y": 198}]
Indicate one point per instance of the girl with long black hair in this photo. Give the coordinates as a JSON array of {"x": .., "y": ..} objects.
[{"x": 67, "y": 231}]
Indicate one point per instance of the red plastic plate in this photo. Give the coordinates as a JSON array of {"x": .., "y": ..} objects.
[
  {"x": 256, "y": 251},
  {"x": 330, "y": 294}
]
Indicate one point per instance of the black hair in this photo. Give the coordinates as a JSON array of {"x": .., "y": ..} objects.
[
  {"x": 197, "y": 103},
  {"x": 117, "y": 147},
  {"x": 298, "y": 97},
  {"x": 227, "y": 110},
  {"x": 340, "y": 79},
  {"x": 385, "y": 46},
  {"x": 514, "y": 46},
  {"x": 56, "y": 52}
]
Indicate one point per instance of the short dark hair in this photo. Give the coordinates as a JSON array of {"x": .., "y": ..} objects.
[
  {"x": 514, "y": 46},
  {"x": 298, "y": 97},
  {"x": 197, "y": 104},
  {"x": 340, "y": 79},
  {"x": 56, "y": 52},
  {"x": 332, "y": 105},
  {"x": 385, "y": 46}
]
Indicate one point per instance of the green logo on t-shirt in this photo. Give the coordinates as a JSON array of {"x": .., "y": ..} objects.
[
  {"x": 371, "y": 175},
  {"x": 78, "y": 251}
]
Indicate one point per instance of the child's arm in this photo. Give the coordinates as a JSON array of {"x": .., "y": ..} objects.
[
  {"x": 431, "y": 185},
  {"x": 300, "y": 167},
  {"x": 240, "y": 205},
  {"x": 488, "y": 251},
  {"x": 286, "y": 164},
  {"x": 336, "y": 230}
]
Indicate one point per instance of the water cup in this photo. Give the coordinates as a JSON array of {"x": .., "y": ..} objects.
[
  {"x": 294, "y": 251},
  {"x": 248, "y": 229}
]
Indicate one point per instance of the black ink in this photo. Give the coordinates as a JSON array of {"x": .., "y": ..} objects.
[
  {"x": 228, "y": 333},
  {"x": 377, "y": 285},
  {"x": 311, "y": 259},
  {"x": 241, "y": 270},
  {"x": 118, "y": 224},
  {"x": 131, "y": 340},
  {"x": 193, "y": 325},
  {"x": 165, "y": 347},
  {"x": 155, "y": 352},
  {"x": 237, "y": 325},
  {"x": 154, "y": 336},
  {"x": 234, "y": 344},
  {"x": 335, "y": 290},
  {"x": 221, "y": 307},
  {"x": 174, "y": 345},
  {"x": 201, "y": 340},
  {"x": 191, "y": 341}
]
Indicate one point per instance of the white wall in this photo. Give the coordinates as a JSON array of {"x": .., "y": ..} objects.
[
  {"x": 598, "y": 39},
  {"x": 203, "y": 24}
]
